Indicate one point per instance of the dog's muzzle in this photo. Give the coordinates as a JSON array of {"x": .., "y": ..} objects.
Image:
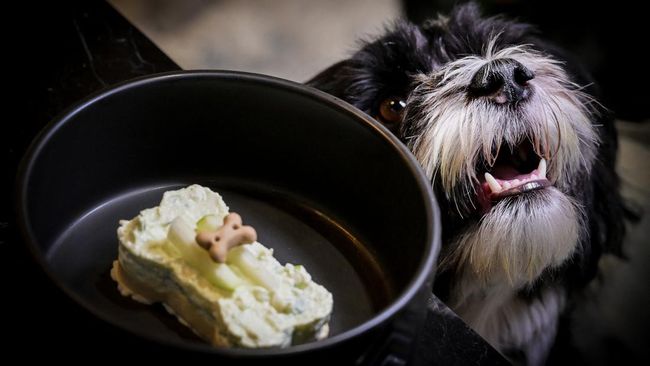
[
  {"x": 504, "y": 124},
  {"x": 504, "y": 82}
]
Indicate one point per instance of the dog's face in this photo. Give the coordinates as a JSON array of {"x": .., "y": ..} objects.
[{"x": 506, "y": 134}]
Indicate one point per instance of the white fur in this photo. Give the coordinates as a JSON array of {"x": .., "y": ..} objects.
[
  {"x": 503, "y": 254},
  {"x": 515, "y": 242},
  {"x": 508, "y": 322}
]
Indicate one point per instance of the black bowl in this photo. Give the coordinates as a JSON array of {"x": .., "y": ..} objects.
[{"x": 325, "y": 186}]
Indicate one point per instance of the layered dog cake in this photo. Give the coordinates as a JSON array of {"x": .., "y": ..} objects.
[{"x": 208, "y": 269}]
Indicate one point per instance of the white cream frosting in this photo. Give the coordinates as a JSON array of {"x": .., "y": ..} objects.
[{"x": 297, "y": 310}]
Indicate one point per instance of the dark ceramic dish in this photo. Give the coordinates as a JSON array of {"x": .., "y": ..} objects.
[{"x": 324, "y": 185}]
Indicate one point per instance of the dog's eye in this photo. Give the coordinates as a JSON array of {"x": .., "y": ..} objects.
[{"x": 391, "y": 111}]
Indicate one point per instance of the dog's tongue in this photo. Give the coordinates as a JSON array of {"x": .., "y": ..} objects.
[{"x": 505, "y": 172}]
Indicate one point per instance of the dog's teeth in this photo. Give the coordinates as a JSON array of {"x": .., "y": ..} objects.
[
  {"x": 515, "y": 182},
  {"x": 494, "y": 185},
  {"x": 506, "y": 185},
  {"x": 541, "y": 169},
  {"x": 533, "y": 176}
]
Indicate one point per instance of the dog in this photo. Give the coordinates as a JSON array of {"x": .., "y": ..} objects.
[{"x": 520, "y": 155}]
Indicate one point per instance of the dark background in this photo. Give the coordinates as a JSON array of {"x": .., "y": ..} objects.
[{"x": 610, "y": 38}]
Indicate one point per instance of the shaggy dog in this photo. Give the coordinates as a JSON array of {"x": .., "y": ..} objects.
[{"x": 521, "y": 158}]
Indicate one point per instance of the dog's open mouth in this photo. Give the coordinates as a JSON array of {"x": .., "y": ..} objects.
[{"x": 516, "y": 170}]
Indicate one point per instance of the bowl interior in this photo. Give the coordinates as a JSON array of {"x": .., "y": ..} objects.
[{"x": 323, "y": 186}]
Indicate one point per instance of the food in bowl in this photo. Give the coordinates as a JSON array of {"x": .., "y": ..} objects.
[{"x": 208, "y": 269}]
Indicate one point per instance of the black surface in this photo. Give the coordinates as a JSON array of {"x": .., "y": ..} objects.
[
  {"x": 50, "y": 51},
  {"x": 462, "y": 346},
  {"x": 51, "y": 47}
]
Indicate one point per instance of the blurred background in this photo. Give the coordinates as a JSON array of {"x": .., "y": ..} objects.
[
  {"x": 291, "y": 39},
  {"x": 295, "y": 39}
]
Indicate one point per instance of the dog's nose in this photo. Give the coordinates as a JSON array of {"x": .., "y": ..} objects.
[{"x": 502, "y": 80}]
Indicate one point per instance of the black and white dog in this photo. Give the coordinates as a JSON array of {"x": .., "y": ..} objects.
[{"x": 521, "y": 157}]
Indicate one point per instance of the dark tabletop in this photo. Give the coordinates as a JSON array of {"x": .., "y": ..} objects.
[{"x": 60, "y": 54}]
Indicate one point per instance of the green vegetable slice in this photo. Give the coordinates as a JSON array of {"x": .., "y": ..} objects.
[
  {"x": 181, "y": 235},
  {"x": 252, "y": 269},
  {"x": 208, "y": 223}
]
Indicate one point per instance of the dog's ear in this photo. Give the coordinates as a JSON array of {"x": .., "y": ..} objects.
[
  {"x": 335, "y": 79},
  {"x": 350, "y": 81},
  {"x": 604, "y": 208}
]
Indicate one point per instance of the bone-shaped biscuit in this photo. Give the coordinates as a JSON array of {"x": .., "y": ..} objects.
[{"x": 231, "y": 234}]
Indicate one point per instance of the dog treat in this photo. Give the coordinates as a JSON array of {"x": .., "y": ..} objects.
[
  {"x": 208, "y": 270},
  {"x": 229, "y": 235}
]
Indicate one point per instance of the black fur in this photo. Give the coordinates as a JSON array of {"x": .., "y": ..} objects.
[{"x": 385, "y": 67}]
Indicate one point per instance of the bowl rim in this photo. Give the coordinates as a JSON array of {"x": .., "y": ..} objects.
[{"x": 425, "y": 269}]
